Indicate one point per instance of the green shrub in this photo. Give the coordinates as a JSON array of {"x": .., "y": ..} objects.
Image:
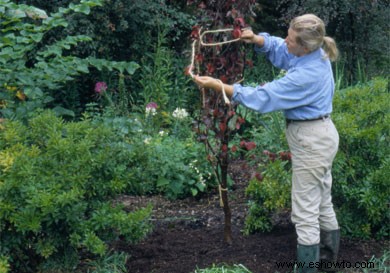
[
  {"x": 58, "y": 182},
  {"x": 172, "y": 167},
  {"x": 4, "y": 265},
  {"x": 268, "y": 193},
  {"x": 34, "y": 68},
  {"x": 165, "y": 160},
  {"x": 361, "y": 169}
]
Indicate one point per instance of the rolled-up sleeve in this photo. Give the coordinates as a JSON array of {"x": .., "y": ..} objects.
[{"x": 251, "y": 97}]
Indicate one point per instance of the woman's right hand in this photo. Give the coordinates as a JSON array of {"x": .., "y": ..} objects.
[{"x": 249, "y": 37}]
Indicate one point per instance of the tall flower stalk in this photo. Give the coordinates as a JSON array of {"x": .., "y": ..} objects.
[{"x": 101, "y": 90}]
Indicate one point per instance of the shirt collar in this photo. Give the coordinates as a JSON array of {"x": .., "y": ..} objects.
[{"x": 299, "y": 61}]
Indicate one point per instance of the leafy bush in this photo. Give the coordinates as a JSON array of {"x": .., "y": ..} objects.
[
  {"x": 33, "y": 67},
  {"x": 268, "y": 193},
  {"x": 165, "y": 160},
  {"x": 362, "y": 166},
  {"x": 57, "y": 185},
  {"x": 172, "y": 167}
]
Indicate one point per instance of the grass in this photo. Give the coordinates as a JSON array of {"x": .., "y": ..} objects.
[
  {"x": 381, "y": 264},
  {"x": 224, "y": 269}
]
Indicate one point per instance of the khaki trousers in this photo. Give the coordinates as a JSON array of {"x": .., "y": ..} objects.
[{"x": 313, "y": 145}]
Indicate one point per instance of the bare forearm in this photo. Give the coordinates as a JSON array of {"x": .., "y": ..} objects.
[
  {"x": 215, "y": 84},
  {"x": 259, "y": 40},
  {"x": 227, "y": 87}
]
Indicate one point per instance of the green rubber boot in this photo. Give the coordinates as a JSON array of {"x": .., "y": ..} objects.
[
  {"x": 329, "y": 249},
  {"x": 308, "y": 258}
]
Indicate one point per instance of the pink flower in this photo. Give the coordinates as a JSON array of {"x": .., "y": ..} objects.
[
  {"x": 100, "y": 87},
  {"x": 151, "y": 105},
  {"x": 151, "y": 109}
]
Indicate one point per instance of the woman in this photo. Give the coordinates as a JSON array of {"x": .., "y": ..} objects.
[{"x": 305, "y": 95}]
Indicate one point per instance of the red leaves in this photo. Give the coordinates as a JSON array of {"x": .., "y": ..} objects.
[
  {"x": 249, "y": 63},
  {"x": 250, "y": 145},
  {"x": 210, "y": 68},
  {"x": 284, "y": 155},
  {"x": 218, "y": 113},
  {"x": 195, "y": 32},
  {"x": 223, "y": 78},
  {"x": 247, "y": 145},
  {"x": 199, "y": 58},
  {"x": 222, "y": 127},
  {"x": 236, "y": 32},
  {"x": 239, "y": 22},
  {"x": 242, "y": 143},
  {"x": 271, "y": 156},
  {"x": 224, "y": 148},
  {"x": 239, "y": 122},
  {"x": 202, "y": 5},
  {"x": 259, "y": 176}
]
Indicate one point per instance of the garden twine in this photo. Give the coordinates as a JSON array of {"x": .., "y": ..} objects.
[{"x": 226, "y": 99}]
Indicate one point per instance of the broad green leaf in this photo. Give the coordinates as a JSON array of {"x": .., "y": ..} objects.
[
  {"x": 132, "y": 67},
  {"x": 63, "y": 112},
  {"x": 194, "y": 191},
  {"x": 83, "y": 9},
  {"x": 162, "y": 182},
  {"x": 36, "y": 13}
]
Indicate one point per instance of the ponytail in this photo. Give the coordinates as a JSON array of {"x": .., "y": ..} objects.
[{"x": 330, "y": 48}]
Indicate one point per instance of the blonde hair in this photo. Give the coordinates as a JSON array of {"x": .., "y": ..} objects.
[{"x": 311, "y": 34}]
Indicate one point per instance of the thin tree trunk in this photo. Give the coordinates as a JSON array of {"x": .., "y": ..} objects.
[{"x": 226, "y": 208}]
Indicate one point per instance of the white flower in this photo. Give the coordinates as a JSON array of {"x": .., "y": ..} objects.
[
  {"x": 161, "y": 133},
  {"x": 180, "y": 113},
  {"x": 147, "y": 140},
  {"x": 150, "y": 111}
]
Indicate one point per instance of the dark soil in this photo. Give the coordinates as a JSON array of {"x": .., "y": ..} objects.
[{"x": 188, "y": 235}]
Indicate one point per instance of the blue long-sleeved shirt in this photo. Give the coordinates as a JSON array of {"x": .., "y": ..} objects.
[{"x": 305, "y": 92}]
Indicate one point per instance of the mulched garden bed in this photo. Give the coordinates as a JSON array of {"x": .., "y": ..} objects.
[{"x": 188, "y": 234}]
